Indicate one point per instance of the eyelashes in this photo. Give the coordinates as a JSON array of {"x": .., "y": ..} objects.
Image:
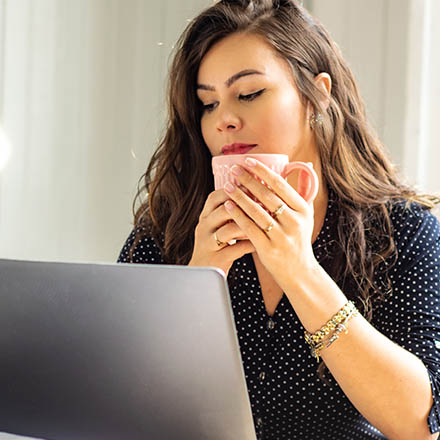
[
  {"x": 210, "y": 107},
  {"x": 252, "y": 96}
]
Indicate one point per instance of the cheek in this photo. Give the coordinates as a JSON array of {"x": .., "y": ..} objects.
[
  {"x": 282, "y": 121},
  {"x": 290, "y": 111}
]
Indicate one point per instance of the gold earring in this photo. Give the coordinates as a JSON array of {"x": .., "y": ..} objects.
[{"x": 315, "y": 119}]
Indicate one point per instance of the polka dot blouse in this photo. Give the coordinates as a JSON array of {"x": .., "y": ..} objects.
[{"x": 288, "y": 399}]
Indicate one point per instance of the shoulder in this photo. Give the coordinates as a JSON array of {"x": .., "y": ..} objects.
[
  {"x": 416, "y": 233},
  {"x": 413, "y": 223},
  {"x": 145, "y": 249}
]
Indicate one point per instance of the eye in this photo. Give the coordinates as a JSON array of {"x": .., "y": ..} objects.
[
  {"x": 252, "y": 96},
  {"x": 208, "y": 108}
]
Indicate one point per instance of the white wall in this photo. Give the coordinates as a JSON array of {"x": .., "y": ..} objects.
[
  {"x": 82, "y": 105},
  {"x": 392, "y": 47},
  {"x": 422, "y": 143}
]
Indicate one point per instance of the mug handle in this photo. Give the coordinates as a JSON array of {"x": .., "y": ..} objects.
[{"x": 307, "y": 179}]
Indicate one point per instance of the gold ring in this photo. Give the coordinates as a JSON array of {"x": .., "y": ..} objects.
[
  {"x": 219, "y": 243},
  {"x": 269, "y": 227},
  {"x": 279, "y": 210}
]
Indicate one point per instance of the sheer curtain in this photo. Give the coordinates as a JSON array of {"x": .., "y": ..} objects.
[
  {"x": 422, "y": 142},
  {"x": 82, "y": 92},
  {"x": 392, "y": 46}
]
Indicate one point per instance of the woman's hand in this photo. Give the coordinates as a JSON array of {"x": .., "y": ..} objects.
[
  {"x": 283, "y": 241},
  {"x": 215, "y": 224}
]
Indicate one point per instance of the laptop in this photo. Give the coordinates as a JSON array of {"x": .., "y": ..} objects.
[{"x": 119, "y": 351}]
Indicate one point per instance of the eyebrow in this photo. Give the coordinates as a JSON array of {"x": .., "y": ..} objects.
[{"x": 232, "y": 79}]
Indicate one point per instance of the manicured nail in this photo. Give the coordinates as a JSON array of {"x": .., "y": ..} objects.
[
  {"x": 250, "y": 161},
  {"x": 229, "y": 205},
  {"x": 237, "y": 170},
  {"x": 229, "y": 187}
]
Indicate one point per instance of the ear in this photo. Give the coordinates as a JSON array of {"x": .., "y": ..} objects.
[{"x": 323, "y": 81}]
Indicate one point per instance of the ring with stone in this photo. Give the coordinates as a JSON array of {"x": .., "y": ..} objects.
[
  {"x": 269, "y": 227},
  {"x": 279, "y": 210}
]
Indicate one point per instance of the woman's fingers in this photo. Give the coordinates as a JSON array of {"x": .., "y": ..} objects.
[
  {"x": 253, "y": 222},
  {"x": 236, "y": 251},
  {"x": 275, "y": 188},
  {"x": 259, "y": 196},
  {"x": 253, "y": 210},
  {"x": 213, "y": 202},
  {"x": 229, "y": 231},
  {"x": 216, "y": 220},
  {"x": 213, "y": 214},
  {"x": 216, "y": 235},
  {"x": 263, "y": 203}
]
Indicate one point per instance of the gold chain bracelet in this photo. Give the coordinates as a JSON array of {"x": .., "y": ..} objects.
[{"x": 335, "y": 326}]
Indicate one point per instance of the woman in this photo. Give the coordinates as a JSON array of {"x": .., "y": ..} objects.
[{"x": 262, "y": 76}]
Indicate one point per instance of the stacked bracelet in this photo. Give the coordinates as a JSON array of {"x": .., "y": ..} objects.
[{"x": 334, "y": 327}]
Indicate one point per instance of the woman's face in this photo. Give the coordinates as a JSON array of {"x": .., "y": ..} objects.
[{"x": 249, "y": 97}]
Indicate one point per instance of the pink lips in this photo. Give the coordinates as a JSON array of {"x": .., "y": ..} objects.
[{"x": 237, "y": 148}]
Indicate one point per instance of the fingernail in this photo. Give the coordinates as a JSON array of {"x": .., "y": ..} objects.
[
  {"x": 229, "y": 187},
  {"x": 229, "y": 205},
  {"x": 250, "y": 161},
  {"x": 237, "y": 170}
]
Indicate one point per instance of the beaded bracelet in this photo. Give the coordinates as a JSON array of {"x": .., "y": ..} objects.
[
  {"x": 329, "y": 327},
  {"x": 315, "y": 349},
  {"x": 335, "y": 326}
]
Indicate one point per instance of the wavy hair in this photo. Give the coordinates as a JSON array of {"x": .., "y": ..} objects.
[{"x": 355, "y": 164}]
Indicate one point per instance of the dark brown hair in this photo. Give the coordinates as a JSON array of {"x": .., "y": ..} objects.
[{"x": 354, "y": 162}]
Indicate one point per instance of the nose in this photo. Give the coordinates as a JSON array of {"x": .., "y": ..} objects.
[{"x": 227, "y": 120}]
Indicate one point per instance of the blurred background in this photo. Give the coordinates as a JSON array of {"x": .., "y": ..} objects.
[{"x": 82, "y": 107}]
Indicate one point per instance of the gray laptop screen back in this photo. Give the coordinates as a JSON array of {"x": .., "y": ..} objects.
[{"x": 112, "y": 351}]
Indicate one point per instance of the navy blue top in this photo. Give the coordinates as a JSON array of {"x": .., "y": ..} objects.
[{"x": 288, "y": 399}]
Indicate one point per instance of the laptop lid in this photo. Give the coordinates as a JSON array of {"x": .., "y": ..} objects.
[{"x": 119, "y": 351}]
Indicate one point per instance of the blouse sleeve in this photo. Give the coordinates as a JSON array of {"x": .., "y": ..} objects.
[
  {"x": 410, "y": 314},
  {"x": 145, "y": 252}
]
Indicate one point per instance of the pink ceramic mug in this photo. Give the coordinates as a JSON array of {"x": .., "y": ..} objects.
[{"x": 307, "y": 187}]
